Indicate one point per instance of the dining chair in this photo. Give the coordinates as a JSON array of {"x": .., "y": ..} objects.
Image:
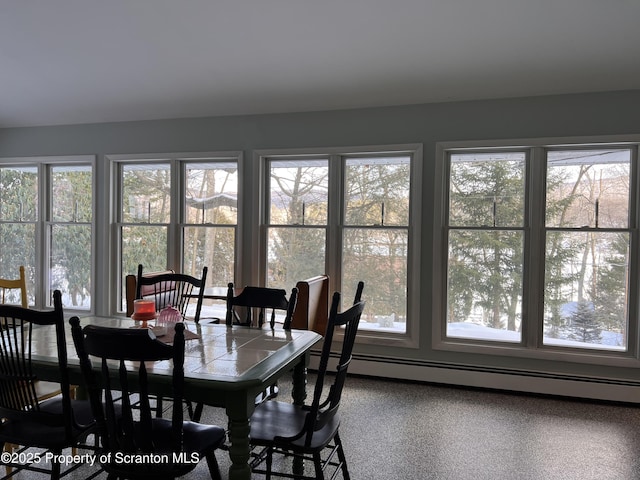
[
  {"x": 19, "y": 284},
  {"x": 122, "y": 357},
  {"x": 308, "y": 432},
  {"x": 172, "y": 289},
  {"x": 260, "y": 299},
  {"x": 130, "y": 288},
  {"x": 44, "y": 390},
  {"x": 52, "y": 424},
  {"x": 175, "y": 290}
]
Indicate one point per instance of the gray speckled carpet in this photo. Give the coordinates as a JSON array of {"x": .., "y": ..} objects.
[{"x": 398, "y": 431}]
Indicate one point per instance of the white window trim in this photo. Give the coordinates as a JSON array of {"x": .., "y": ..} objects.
[
  {"x": 42, "y": 163},
  {"x": 532, "y": 339},
  {"x": 176, "y": 160},
  {"x": 411, "y": 338}
]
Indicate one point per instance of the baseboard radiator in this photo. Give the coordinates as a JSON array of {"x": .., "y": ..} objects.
[{"x": 533, "y": 382}]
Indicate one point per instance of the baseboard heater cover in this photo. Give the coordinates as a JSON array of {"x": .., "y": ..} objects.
[{"x": 497, "y": 379}]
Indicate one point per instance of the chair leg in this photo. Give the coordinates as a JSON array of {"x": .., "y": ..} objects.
[
  {"x": 159, "y": 406},
  {"x": 269, "y": 462},
  {"x": 8, "y": 447},
  {"x": 55, "y": 466},
  {"x": 197, "y": 412},
  {"x": 317, "y": 463},
  {"x": 341, "y": 457},
  {"x": 214, "y": 469}
]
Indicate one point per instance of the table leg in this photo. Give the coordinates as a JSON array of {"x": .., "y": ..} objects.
[
  {"x": 299, "y": 389},
  {"x": 238, "y": 413},
  {"x": 299, "y": 394}
]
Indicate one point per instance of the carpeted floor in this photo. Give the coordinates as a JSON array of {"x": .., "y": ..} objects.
[{"x": 405, "y": 431}]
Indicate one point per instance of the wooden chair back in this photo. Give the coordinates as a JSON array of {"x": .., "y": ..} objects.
[
  {"x": 19, "y": 398},
  {"x": 323, "y": 410},
  {"x": 172, "y": 289},
  {"x": 131, "y": 282},
  {"x": 114, "y": 386},
  {"x": 262, "y": 299},
  {"x": 15, "y": 284}
]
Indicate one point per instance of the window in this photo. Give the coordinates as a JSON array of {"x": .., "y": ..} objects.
[
  {"x": 179, "y": 213},
  {"x": 298, "y": 216},
  {"x": 46, "y": 224},
  {"x": 537, "y": 250},
  {"x": 345, "y": 214}
]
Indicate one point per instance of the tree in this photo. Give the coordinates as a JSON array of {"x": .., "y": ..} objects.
[
  {"x": 584, "y": 326},
  {"x": 610, "y": 297},
  {"x": 486, "y": 247},
  {"x": 19, "y": 213},
  {"x": 299, "y": 206}
]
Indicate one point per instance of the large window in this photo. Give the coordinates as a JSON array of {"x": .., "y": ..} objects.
[
  {"x": 538, "y": 248},
  {"x": 46, "y": 225},
  {"x": 179, "y": 213},
  {"x": 347, "y": 215}
]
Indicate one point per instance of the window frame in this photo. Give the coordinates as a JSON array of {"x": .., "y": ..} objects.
[
  {"x": 531, "y": 344},
  {"x": 337, "y": 158},
  {"x": 177, "y": 163},
  {"x": 44, "y": 223}
]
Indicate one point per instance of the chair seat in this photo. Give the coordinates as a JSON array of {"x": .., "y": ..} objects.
[
  {"x": 35, "y": 434},
  {"x": 273, "y": 419},
  {"x": 197, "y": 438}
]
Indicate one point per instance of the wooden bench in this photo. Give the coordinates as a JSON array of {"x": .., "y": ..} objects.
[{"x": 312, "y": 307}]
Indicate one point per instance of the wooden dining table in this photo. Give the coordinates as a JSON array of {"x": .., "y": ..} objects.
[{"x": 224, "y": 367}]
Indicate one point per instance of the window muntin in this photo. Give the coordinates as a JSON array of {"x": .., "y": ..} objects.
[
  {"x": 375, "y": 236},
  {"x": 487, "y": 189},
  {"x": 297, "y": 208},
  {"x": 180, "y": 213},
  {"x": 586, "y": 289},
  {"x": 18, "y": 222},
  {"x": 294, "y": 254},
  {"x": 486, "y": 245},
  {"x": 298, "y": 193},
  {"x": 485, "y": 281},
  {"x": 587, "y": 261},
  {"x": 588, "y": 188},
  {"x": 355, "y": 227},
  {"x": 379, "y": 256},
  {"x": 20, "y": 188},
  {"x": 146, "y": 193},
  {"x": 377, "y": 191},
  {"x": 145, "y": 214},
  {"x": 46, "y": 224},
  {"x": 70, "y": 234},
  {"x": 210, "y": 218},
  {"x": 211, "y": 193},
  {"x": 570, "y": 256}
]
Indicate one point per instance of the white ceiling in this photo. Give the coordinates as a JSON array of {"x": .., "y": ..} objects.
[{"x": 85, "y": 61}]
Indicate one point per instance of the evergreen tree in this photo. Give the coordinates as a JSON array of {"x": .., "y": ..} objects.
[{"x": 584, "y": 325}]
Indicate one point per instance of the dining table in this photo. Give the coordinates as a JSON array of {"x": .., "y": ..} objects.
[{"x": 225, "y": 366}]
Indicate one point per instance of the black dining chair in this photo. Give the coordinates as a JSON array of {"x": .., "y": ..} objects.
[
  {"x": 260, "y": 299},
  {"x": 311, "y": 431},
  {"x": 53, "y": 424},
  {"x": 173, "y": 289},
  {"x": 123, "y": 355}
]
